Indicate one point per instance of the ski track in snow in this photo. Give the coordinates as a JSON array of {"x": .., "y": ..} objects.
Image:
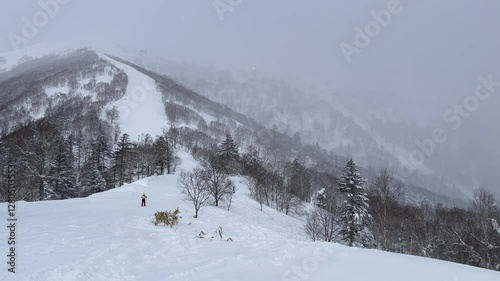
[
  {"x": 141, "y": 109},
  {"x": 108, "y": 236}
]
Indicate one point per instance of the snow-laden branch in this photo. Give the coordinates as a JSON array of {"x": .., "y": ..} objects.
[{"x": 495, "y": 225}]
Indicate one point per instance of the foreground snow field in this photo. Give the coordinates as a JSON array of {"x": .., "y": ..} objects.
[{"x": 108, "y": 236}]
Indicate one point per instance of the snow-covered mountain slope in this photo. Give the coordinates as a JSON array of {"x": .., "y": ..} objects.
[
  {"x": 108, "y": 236},
  {"x": 312, "y": 114},
  {"x": 53, "y": 85},
  {"x": 38, "y": 87},
  {"x": 85, "y": 93},
  {"x": 141, "y": 109},
  {"x": 12, "y": 59},
  {"x": 83, "y": 85}
]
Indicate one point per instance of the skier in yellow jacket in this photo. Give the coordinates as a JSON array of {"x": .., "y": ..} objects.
[{"x": 143, "y": 197}]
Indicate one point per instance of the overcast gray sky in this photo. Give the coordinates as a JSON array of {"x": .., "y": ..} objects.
[
  {"x": 431, "y": 52},
  {"x": 429, "y": 49},
  {"x": 430, "y": 43}
]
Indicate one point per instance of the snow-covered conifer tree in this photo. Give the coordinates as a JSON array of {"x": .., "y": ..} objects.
[{"x": 354, "y": 209}]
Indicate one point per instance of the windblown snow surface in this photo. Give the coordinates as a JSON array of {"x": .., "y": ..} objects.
[{"x": 109, "y": 236}]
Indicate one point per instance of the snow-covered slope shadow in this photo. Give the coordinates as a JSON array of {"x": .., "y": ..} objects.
[{"x": 108, "y": 236}]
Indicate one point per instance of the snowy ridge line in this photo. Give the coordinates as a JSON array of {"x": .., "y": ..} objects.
[
  {"x": 14, "y": 58},
  {"x": 193, "y": 95}
]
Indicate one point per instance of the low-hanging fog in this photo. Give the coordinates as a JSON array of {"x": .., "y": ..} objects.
[{"x": 422, "y": 62}]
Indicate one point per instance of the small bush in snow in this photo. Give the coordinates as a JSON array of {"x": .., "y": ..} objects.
[
  {"x": 167, "y": 218},
  {"x": 321, "y": 225}
]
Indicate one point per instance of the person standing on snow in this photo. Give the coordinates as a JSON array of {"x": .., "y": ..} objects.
[{"x": 143, "y": 197}]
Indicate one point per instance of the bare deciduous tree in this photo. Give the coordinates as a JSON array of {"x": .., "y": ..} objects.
[
  {"x": 219, "y": 184},
  {"x": 194, "y": 186},
  {"x": 387, "y": 190},
  {"x": 321, "y": 225}
]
